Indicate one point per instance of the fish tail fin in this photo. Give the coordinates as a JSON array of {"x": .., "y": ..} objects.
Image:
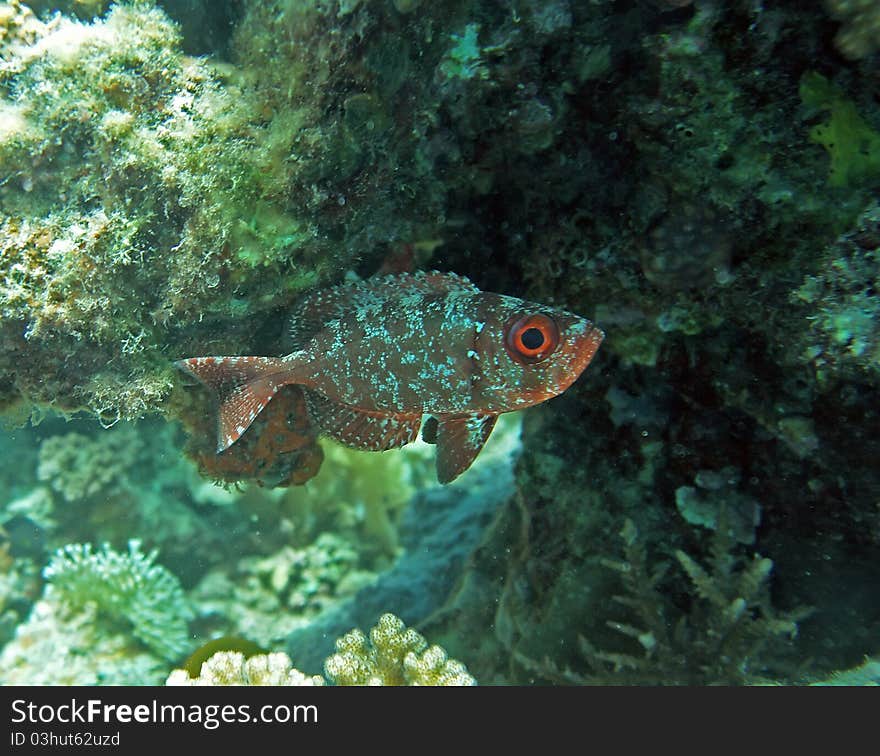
[{"x": 244, "y": 386}]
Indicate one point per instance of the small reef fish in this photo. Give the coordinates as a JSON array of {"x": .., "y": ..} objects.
[{"x": 375, "y": 356}]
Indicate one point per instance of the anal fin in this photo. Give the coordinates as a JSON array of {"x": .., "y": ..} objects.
[
  {"x": 360, "y": 429},
  {"x": 459, "y": 441}
]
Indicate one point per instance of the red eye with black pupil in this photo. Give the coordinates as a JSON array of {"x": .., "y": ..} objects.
[{"x": 532, "y": 338}]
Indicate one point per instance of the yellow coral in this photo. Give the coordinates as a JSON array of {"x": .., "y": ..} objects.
[
  {"x": 393, "y": 655},
  {"x": 18, "y": 24}
]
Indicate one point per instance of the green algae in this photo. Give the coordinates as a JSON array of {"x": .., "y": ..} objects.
[{"x": 853, "y": 146}]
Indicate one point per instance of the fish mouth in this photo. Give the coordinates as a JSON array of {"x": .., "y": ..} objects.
[
  {"x": 585, "y": 345},
  {"x": 581, "y": 344}
]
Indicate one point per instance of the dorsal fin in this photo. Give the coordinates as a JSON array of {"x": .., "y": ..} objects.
[
  {"x": 317, "y": 309},
  {"x": 369, "y": 431},
  {"x": 421, "y": 280},
  {"x": 313, "y": 312},
  {"x": 459, "y": 441}
]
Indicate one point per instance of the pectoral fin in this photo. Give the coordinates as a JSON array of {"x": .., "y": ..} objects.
[{"x": 459, "y": 441}]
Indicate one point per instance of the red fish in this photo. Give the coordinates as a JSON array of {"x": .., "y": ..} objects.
[{"x": 374, "y": 356}]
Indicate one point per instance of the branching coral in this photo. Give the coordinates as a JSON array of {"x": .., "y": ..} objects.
[
  {"x": 307, "y": 578},
  {"x": 720, "y": 639},
  {"x": 265, "y": 598},
  {"x": 57, "y": 647},
  {"x": 125, "y": 587},
  {"x": 392, "y": 655},
  {"x": 78, "y": 466},
  {"x": 17, "y": 24},
  {"x": 232, "y": 668}
]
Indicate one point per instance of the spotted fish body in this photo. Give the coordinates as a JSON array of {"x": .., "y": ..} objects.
[{"x": 375, "y": 356}]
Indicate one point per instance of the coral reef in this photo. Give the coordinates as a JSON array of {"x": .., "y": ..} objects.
[
  {"x": 722, "y": 637},
  {"x": 55, "y": 647},
  {"x": 392, "y": 655},
  {"x": 205, "y": 27},
  {"x": 700, "y": 178},
  {"x": 129, "y": 481},
  {"x": 79, "y": 466},
  {"x": 104, "y": 618},
  {"x": 438, "y": 532},
  {"x": 128, "y": 588},
  {"x": 845, "y": 319},
  {"x": 265, "y": 598},
  {"x": 19, "y": 587},
  {"x": 168, "y": 218},
  {"x": 231, "y": 668}
]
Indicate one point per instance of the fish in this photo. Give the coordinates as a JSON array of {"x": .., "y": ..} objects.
[{"x": 375, "y": 356}]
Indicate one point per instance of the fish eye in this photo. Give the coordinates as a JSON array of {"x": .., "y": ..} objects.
[{"x": 532, "y": 338}]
